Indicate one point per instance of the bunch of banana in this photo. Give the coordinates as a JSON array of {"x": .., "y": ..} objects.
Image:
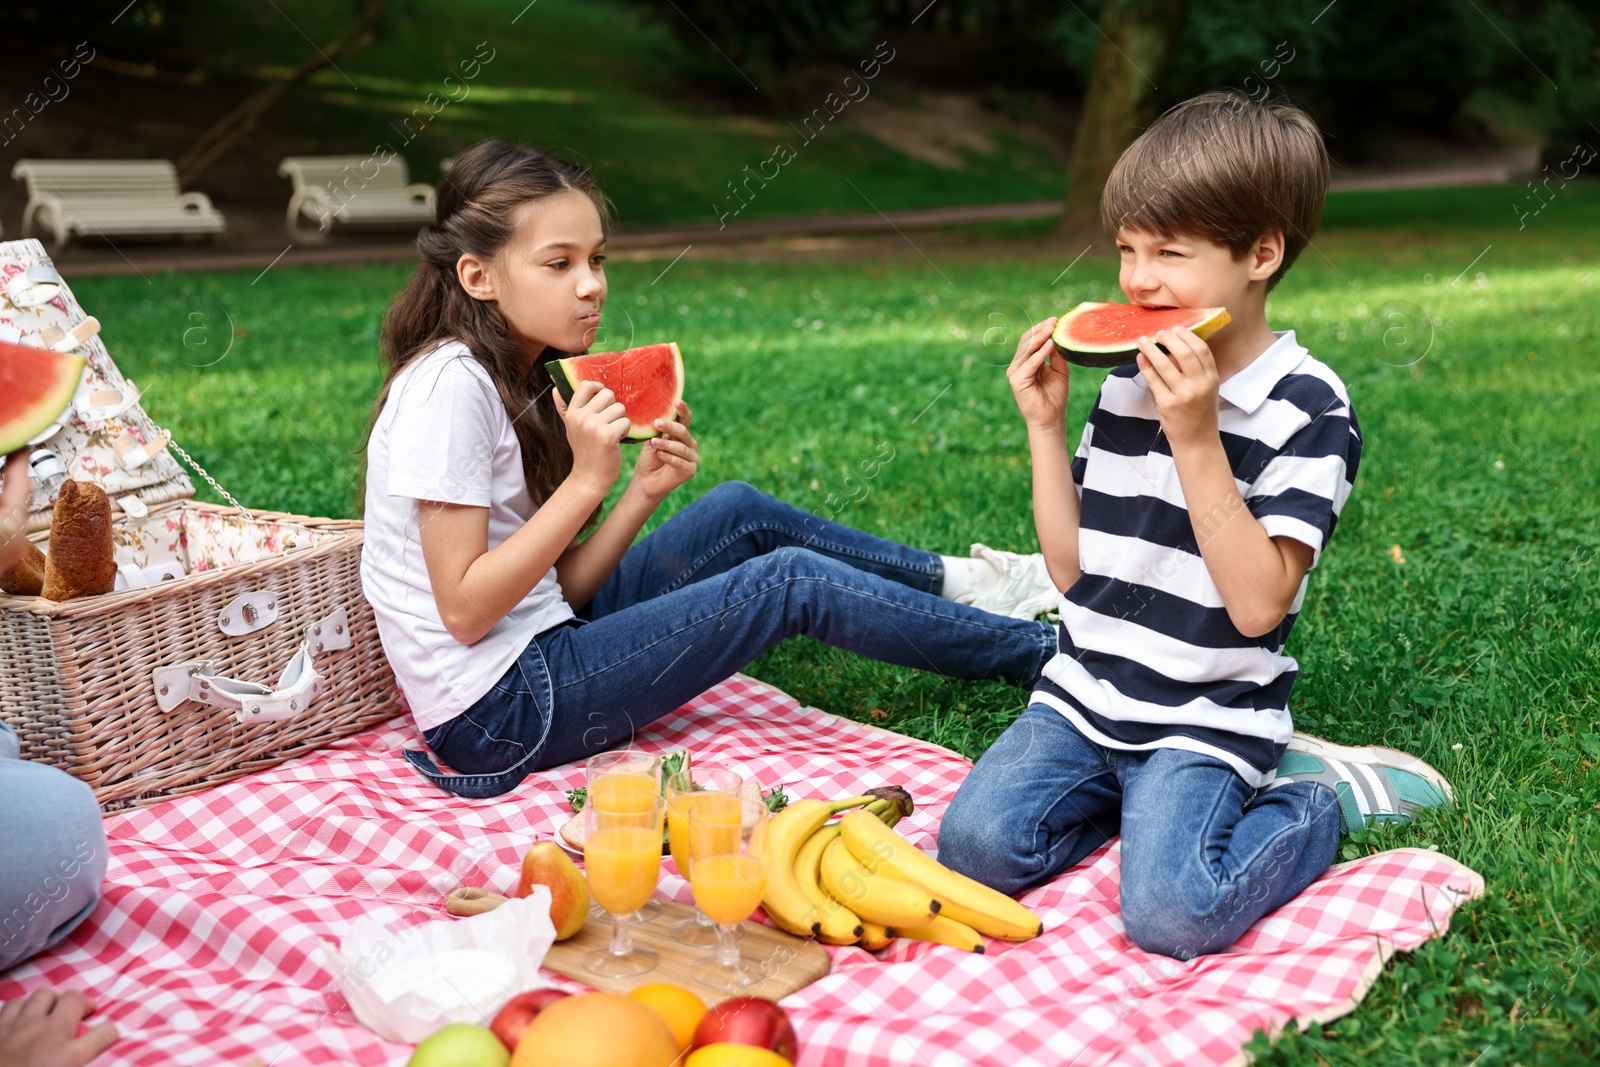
[
  {"x": 858, "y": 882},
  {"x": 796, "y": 839},
  {"x": 959, "y": 902}
]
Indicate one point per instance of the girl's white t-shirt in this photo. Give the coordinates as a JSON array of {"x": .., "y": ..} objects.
[{"x": 444, "y": 435}]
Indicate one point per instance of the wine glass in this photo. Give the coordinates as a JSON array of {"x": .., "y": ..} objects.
[
  {"x": 727, "y": 870},
  {"x": 623, "y": 761},
  {"x": 682, "y": 793},
  {"x": 623, "y": 819}
]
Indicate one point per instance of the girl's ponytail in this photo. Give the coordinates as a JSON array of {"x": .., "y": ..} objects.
[{"x": 475, "y": 210}]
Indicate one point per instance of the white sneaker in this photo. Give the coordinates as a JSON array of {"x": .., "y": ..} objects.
[{"x": 1024, "y": 590}]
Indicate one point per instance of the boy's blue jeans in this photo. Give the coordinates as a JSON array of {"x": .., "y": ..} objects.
[
  {"x": 1204, "y": 855},
  {"x": 713, "y": 587}
]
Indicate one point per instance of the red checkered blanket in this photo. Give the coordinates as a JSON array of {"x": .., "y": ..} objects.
[{"x": 204, "y": 949}]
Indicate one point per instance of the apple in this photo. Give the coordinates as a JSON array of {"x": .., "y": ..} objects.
[
  {"x": 519, "y": 1011},
  {"x": 748, "y": 1021},
  {"x": 460, "y": 1045}
]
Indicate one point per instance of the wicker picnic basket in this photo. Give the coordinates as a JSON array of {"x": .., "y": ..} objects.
[{"x": 263, "y": 649}]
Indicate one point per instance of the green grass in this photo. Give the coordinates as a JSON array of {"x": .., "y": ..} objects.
[
  {"x": 589, "y": 80},
  {"x": 1480, "y": 652}
]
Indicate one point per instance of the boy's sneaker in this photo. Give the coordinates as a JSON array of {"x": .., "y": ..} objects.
[
  {"x": 1373, "y": 784},
  {"x": 1024, "y": 589}
]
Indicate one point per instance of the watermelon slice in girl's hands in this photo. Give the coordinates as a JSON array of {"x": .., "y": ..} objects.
[
  {"x": 648, "y": 381},
  {"x": 36, "y": 385},
  {"x": 1107, "y": 335}
]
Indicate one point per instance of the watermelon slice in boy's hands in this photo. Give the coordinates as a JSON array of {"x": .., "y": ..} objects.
[
  {"x": 36, "y": 385},
  {"x": 648, "y": 381},
  {"x": 1107, "y": 335}
]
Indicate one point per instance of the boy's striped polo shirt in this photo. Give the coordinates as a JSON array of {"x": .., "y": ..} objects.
[{"x": 1148, "y": 657}]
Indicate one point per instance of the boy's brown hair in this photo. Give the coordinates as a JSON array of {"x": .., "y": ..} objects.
[{"x": 1223, "y": 167}]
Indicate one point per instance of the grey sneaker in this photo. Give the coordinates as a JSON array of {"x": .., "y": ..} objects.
[
  {"x": 1373, "y": 784},
  {"x": 1024, "y": 590}
]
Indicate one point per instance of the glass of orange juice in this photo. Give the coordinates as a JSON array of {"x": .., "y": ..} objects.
[
  {"x": 727, "y": 871},
  {"x": 623, "y": 761},
  {"x": 623, "y": 819},
  {"x": 682, "y": 793}
]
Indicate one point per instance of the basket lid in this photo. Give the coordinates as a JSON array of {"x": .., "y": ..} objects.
[{"x": 104, "y": 436}]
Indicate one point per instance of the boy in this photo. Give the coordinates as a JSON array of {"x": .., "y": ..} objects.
[{"x": 1209, "y": 478}]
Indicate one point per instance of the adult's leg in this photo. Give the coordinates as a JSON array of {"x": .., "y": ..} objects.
[
  {"x": 55, "y": 857},
  {"x": 619, "y": 673},
  {"x": 735, "y": 522},
  {"x": 1038, "y": 801},
  {"x": 1204, "y": 855}
]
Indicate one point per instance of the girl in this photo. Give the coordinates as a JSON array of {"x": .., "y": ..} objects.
[{"x": 518, "y": 646}]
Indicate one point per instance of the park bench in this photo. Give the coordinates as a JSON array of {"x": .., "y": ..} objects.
[
  {"x": 106, "y": 197},
  {"x": 352, "y": 189}
]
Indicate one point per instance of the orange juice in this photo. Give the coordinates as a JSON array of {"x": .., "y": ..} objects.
[
  {"x": 622, "y": 864},
  {"x": 678, "y": 829},
  {"x": 625, "y": 794},
  {"x": 728, "y": 887}
]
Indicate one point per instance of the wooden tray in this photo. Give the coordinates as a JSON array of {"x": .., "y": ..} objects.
[{"x": 794, "y": 962}]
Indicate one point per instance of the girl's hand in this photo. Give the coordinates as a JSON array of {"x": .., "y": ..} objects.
[
  {"x": 15, "y": 500},
  {"x": 668, "y": 461},
  {"x": 1039, "y": 388},
  {"x": 1183, "y": 383},
  {"x": 596, "y": 424}
]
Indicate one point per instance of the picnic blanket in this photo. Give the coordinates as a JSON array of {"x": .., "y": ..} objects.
[{"x": 204, "y": 950}]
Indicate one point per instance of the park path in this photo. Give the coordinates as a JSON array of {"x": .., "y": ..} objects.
[{"x": 262, "y": 252}]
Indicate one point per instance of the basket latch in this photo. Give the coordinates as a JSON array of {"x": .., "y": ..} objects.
[
  {"x": 248, "y": 612},
  {"x": 297, "y": 686}
]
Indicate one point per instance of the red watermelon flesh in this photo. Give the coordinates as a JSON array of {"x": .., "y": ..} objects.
[
  {"x": 1106, "y": 335},
  {"x": 648, "y": 380},
  {"x": 36, "y": 385}
]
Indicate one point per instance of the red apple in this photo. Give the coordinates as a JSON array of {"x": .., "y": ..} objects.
[
  {"x": 748, "y": 1021},
  {"x": 519, "y": 1012}
]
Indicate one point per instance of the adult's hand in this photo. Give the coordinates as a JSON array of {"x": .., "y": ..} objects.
[
  {"x": 42, "y": 1031},
  {"x": 15, "y": 499}
]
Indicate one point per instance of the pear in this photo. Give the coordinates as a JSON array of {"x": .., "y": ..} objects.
[{"x": 547, "y": 865}]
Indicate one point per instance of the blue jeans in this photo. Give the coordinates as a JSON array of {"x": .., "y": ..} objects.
[
  {"x": 54, "y": 849},
  {"x": 1204, "y": 855},
  {"x": 712, "y": 588}
]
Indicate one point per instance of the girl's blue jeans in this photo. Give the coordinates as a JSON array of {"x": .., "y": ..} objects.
[
  {"x": 1204, "y": 855},
  {"x": 713, "y": 587}
]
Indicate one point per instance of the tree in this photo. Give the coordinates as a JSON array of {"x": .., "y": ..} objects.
[{"x": 1136, "y": 41}]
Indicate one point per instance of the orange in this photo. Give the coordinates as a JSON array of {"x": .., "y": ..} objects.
[
  {"x": 596, "y": 1030},
  {"x": 681, "y": 1009}
]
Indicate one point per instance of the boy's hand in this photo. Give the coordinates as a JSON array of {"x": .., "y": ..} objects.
[
  {"x": 42, "y": 1031},
  {"x": 668, "y": 461},
  {"x": 1183, "y": 382},
  {"x": 1040, "y": 388}
]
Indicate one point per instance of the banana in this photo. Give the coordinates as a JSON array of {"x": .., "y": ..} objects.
[
  {"x": 946, "y": 931},
  {"x": 786, "y": 903},
  {"x": 874, "y": 897},
  {"x": 875, "y": 936},
  {"x": 986, "y": 910},
  {"x": 838, "y": 924}
]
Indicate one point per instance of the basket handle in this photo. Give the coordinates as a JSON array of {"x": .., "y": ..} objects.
[{"x": 298, "y": 686}]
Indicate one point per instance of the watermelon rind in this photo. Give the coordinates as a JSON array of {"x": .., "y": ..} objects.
[
  {"x": 24, "y": 419},
  {"x": 1086, "y": 354},
  {"x": 564, "y": 372}
]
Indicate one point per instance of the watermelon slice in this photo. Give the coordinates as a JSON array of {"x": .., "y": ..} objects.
[
  {"x": 1106, "y": 335},
  {"x": 648, "y": 381},
  {"x": 36, "y": 385}
]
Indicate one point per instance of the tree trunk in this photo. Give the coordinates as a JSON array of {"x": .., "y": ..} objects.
[
  {"x": 1136, "y": 41},
  {"x": 233, "y": 127}
]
